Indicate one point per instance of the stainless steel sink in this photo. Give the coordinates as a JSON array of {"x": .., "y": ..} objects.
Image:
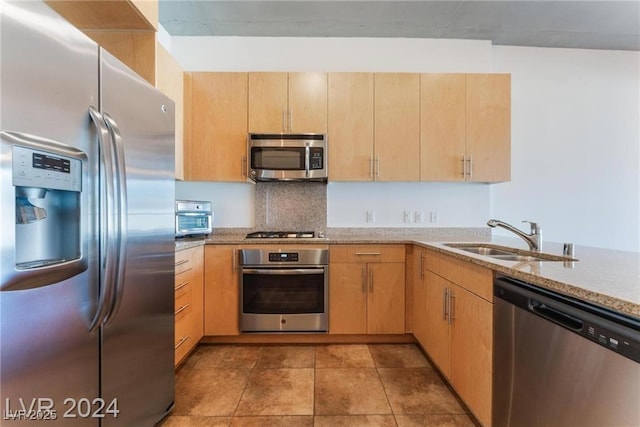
[{"x": 505, "y": 253}]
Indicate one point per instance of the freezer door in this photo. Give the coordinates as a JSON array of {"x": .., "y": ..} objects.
[
  {"x": 137, "y": 340},
  {"x": 48, "y": 81}
]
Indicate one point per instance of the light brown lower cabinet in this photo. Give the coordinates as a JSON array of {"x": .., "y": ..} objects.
[
  {"x": 366, "y": 289},
  {"x": 453, "y": 321},
  {"x": 221, "y": 303},
  {"x": 189, "y": 292}
]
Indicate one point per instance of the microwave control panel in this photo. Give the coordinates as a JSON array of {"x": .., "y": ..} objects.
[{"x": 316, "y": 158}]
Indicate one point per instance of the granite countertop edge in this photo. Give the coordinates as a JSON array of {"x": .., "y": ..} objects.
[{"x": 586, "y": 285}]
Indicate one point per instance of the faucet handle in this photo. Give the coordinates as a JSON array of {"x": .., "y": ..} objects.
[{"x": 535, "y": 228}]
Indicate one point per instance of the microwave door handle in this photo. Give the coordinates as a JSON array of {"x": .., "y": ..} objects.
[{"x": 307, "y": 166}]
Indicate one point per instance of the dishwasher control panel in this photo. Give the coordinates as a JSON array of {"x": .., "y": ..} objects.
[{"x": 613, "y": 341}]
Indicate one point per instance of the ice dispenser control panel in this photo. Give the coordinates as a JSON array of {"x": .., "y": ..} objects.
[{"x": 35, "y": 168}]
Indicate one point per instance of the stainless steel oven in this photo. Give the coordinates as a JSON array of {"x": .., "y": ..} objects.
[{"x": 284, "y": 290}]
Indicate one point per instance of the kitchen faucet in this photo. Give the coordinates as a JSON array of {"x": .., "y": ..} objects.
[{"x": 534, "y": 240}]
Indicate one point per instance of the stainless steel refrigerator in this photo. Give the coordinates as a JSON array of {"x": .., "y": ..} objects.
[{"x": 86, "y": 231}]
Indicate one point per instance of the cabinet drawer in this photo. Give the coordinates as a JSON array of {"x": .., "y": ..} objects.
[
  {"x": 183, "y": 261},
  {"x": 472, "y": 277},
  {"x": 183, "y": 340},
  {"x": 183, "y": 304},
  {"x": 366, "y": 253}
]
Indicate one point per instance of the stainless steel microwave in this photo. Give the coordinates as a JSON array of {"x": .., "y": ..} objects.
[
  {"x": 193, "y": 218},
  {"x": 287, "y": 157}
]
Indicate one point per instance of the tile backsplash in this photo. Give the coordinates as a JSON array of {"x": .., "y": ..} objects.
[{"x": 291, "y": 206}]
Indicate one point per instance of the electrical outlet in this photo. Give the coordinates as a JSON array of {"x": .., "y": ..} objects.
[
  {"x": 434, "y": 217},
  {"x": 371, "y": 216},
  {"x": 418, "y": 216},
  {"x": 407, "y": 216}
]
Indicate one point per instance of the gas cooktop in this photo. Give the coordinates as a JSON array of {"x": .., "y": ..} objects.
[{"x": 281, "y": 235}]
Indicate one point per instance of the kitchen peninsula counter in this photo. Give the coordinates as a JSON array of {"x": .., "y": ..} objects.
[{"x": 604, "y": 277}]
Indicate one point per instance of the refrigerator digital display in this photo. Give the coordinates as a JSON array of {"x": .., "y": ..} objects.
[{"x": 58, "y": 164}]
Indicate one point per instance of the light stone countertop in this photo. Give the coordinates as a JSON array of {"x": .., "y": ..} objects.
[{"x": 604, "y": 277}]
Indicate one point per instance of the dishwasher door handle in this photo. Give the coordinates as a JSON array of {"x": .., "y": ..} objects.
[{"x": 555, "y": 315}]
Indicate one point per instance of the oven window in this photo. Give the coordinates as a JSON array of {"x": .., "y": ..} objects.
[
  {"x": 278, "y": 158},
  {"x": 192, "y": 222},
  {"x": 283, "y": 294}
]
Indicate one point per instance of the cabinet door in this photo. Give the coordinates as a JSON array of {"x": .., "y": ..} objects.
[
  {"x": 308, "y": 102},
  {"x": 471, "y": 354},
  {"x": 437, "y": 338},
  {"x": 350, "y": 126},
  {"x": 221, "y": 304},
  {"x": 268, "y": 102},
  {"x": 442, "y": 127},
  {"x": 385, "y": 309},
  {"x": 397, "y": 127},
  {"x": 489, "y": 126},
  {"x": 419, "y": 300},
  {"x": 348, "y": 298},
  {"x": 217, "y": 142},
  {"x": 197, "y": 290}
]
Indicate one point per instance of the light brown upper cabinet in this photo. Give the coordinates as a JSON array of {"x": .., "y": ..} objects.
[
  {"x": 489, "y": 127},
  {"x": 465, "y": 127},
  {"x": 170, "y": 81},
  {"x": 125, "y": 28},
  {"x": 287, "y": 102},
  {"x": 350, "y": 118},
  {"x": 396, "y": 127},
  {"x": 215, "y": 126}
]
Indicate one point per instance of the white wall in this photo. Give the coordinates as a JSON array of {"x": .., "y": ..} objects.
[
  {"x": 575, "y": 137},
  {"x": 453, "y": 204},
  {"x": 576, "y": 144}
]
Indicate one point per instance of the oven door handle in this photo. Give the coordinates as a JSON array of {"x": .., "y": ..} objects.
[{"x": 282, "y": 271}]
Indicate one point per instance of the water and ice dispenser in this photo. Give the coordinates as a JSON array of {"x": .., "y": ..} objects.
[
  {"x": 47, "y": 233},
  {"x": 47, "y": 201}
]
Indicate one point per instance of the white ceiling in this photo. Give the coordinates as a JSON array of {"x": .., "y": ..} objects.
[{"x": 589, "y": 24}]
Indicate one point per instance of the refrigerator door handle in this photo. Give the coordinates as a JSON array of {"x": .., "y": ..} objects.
[
  {"x": 121, "y": 214},
  {"x": 108, "y": 249}
]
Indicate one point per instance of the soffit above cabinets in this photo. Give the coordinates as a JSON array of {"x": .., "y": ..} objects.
[{"x": 586, "y": 24}]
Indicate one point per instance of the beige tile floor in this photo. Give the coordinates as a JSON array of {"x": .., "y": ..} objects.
[{"x": 319, "y": 385}]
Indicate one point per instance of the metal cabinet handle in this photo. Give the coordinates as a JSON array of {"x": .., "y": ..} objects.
[
  {"x": 182, "y": 341},
  {"x": 234, "y": 261},
  {"x": 181, "y": 262},
  {"x": 284, "y": 120},
  {"x": 377, "y": 166},
  {"x": 470, "y": 160},
  {"x": 452, "y": 303},
  {"x": 364, "y": 278},
  {"x": 181, "y": 285},
  {"x": 368, "y": 253},
  {"x": 422, "y": 266},
  {"x": 290, "y": 120},
  {"x": 371, "y": 167},
  {"x": 371, "y": 281},
  {"x": 243, "y": 167},
  {"x": 464, "y": 167},
  {"x": 181, "y": 309},
  {"x": 445, "y": 298}
]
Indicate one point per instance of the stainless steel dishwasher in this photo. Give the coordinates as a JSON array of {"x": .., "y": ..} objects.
[{"x": 562, "y": 362}]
